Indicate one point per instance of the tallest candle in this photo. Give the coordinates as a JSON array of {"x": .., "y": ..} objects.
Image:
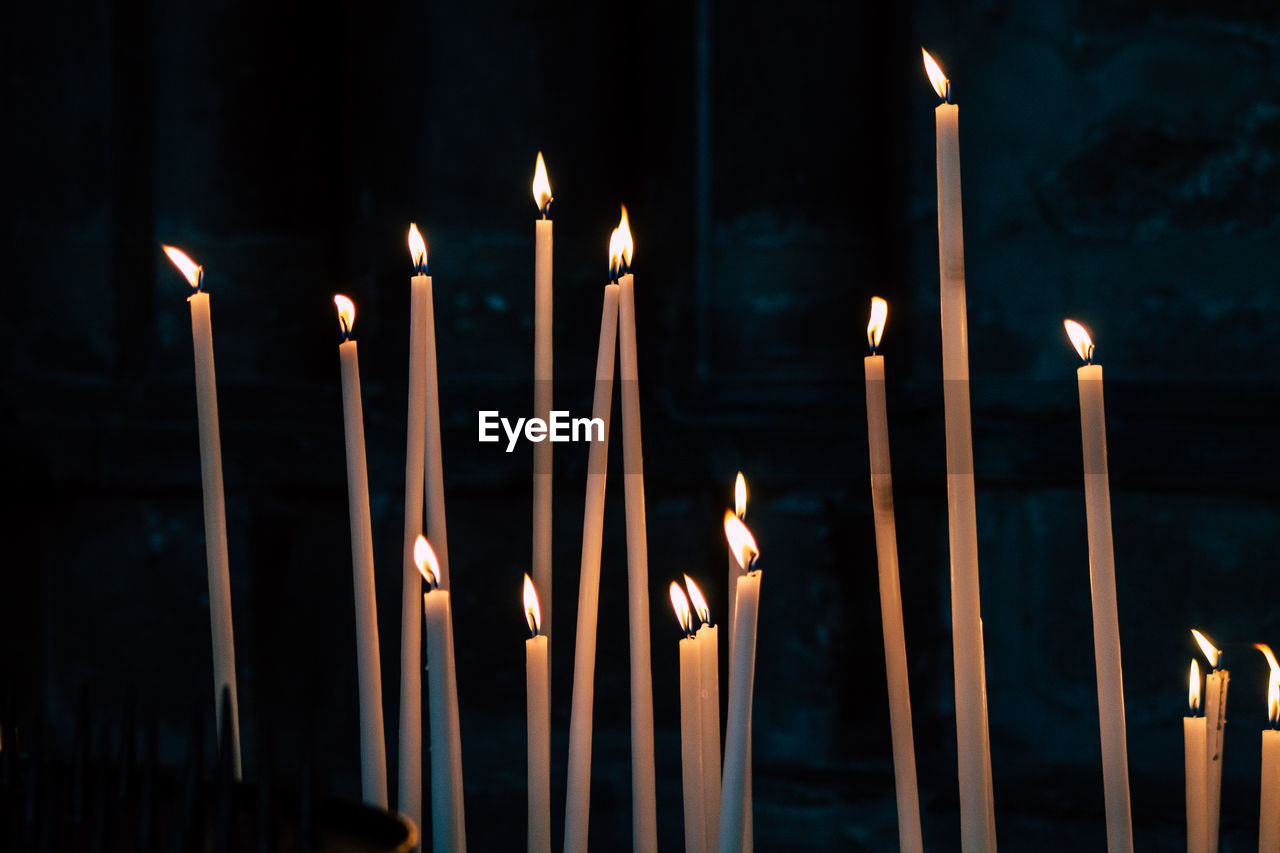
[
  {"x": 542, "y": 397},
  {"x": 215, "y": 515},
  {"x": 1102, "y": 586},
  {"x": 977, "y": 825}
]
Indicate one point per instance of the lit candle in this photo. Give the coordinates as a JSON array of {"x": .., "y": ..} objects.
[
  {"x": 433, "y": 472},
  {"x": 215, "y": 515},
  {"x": 538, "y": 724},
  {"x": 644, "y": 803},
  {"x": 735, "y": 572},
  {"x": 1193, "y": 740},
  {"x": 1269, "y": 807},
  {"x": 410, "y": 770},
  {"x": 742, "y": 663},
  {"x": 373, "y": 749},
  {"x": 1102, "y": 585},
  {"x": 695, "y": 830},
  {"x": 895, "y": 647},
  {"x": 1215, "y": 715},
  {"x": 578, "y": 789},
  {"x": 448, "y": 827},
  {"x": 707, "y": 640},
  {"x": 542, "y": 396},
  {"x": 973, "y": 752}
]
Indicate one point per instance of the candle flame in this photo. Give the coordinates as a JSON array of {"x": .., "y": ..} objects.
[
  {"x": 741, "y": 543},
  {"x": 680, "y": 602},
  {"x": 346, "y": 313},
  {"x": 875, "y": 327},
  {"x": 1273, "y": 699},
  {"x": 621, "y": 246},
  {"x": 417, "y": 249},
  {"x": 532, "y": 612},
  {"x": 425, "y": 558},
  {"x": 699, "y": 603},
  {"x": 740, "y": 496},
  {"x": 190, "y": 270},
  {"x": 936, "y": 77},
  {"x": 1080, "y": 339},
  {"x": 1193, "y": 691},
  {"x": 1211, "y": 652},
  {"x": 541, "y": 186}
]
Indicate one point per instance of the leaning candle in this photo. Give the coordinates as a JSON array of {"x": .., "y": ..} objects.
[
  {"x": 215, "y": 515},
  {"x": 1215, "y": 715},
  {"x": 695, "y": 831},
  {"x": 542, "y": 397},
  {"x": 644, "y": 804},
  {"x": 707, "y": 639},
  {"x": 735, "y": 572},
  {"x": 373, "y": 749},
  {"x": 433, "y": 465},
  {"x": 1193, "y": 739},
  {"x": 973, "y": 756},
  {"x": 538, "y": 724},
  {"x": 895, "y": 647},
  {"x": 1269, "y": 805},
  {"x": 742, "y": 662},
  {"x": 1102, "y": 586},
  {"x": 410, "y": 771},
  {"x": 578, "y": 788},
  {"x": 448, "y": 828}
]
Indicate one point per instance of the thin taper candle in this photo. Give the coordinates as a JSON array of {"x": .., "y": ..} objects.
[
  {"x": 1193, "y": 740},
  {"x": 538, "y": 725},
  {"x": 542, "y": 395}
]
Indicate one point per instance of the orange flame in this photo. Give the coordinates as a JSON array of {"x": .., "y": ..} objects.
[
  {"x": 417, "y": 248},
  {"x": 346, "y": 313},
  {"x": 1211, "y": 652},
  {"x": 680, "y": 602},
  {"x": 1080, "y": 339},
  {"x": 189, "y": 268},
  {"x": 936, "y": 77},
  {"x": 425, "y": 558},
  {"x": 741, "y": 543},
  {"x": 541, "y": 185},
  {"x": 1273, "y": 699},
  {"x": 875, "y": 327},
  {"x": 1193, "y": 690},
  {"x": 699, "y": 603},
  {"x": 740, "y": 496},
  {"x": 621, "y": 245},
  {"x": 532, "y": 612}
]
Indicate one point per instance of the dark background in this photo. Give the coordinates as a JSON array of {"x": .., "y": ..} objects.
[{"x": 1121, "y": 166}]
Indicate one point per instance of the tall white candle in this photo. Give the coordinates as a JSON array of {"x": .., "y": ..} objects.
[
  {"x": 1193, "y": 739},
  {"x": 542, "y": 394},
  {"x": 1102, "y": 585},
  {"x": 742, "y": 656},
  {"x": 578, "y": 791},
  {"x": 695, "y": 831},
  {"x": 735, "y": 572},
  {"x": 895, "y": 647},
  {"x": 973, "y": 753},
  {"x": 448, "y": 825},
  {"x": 538, "y": 724},
  {"x": 215, "y": 516},
  {"x": 1215, "y": 715},
  {"x": 373, "y": 749},
  {"x": 409, "y": 796},
  {"x": 644, "y": 803},
  {"x": 707, "y": 639},
  {"x": 434, "y": 464}
]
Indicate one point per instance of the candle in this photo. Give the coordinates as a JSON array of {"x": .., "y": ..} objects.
[
  {"x": 578, "y": 789},
  {"x": 448, "y": 827},
  {"x": 1102, "y": 585},
  {"x": 1269, "y": 807},
  {"x": 542, "y": 396},
  {"x": 735, "y": 572},
  {"x": 742, "y": 661},
  {"x": 695, "y": 830},
  {"x": 707, "y": 640},
  {"x": 1193, "y": 739},
  {"x": 433, "y": 464},
  {"x": 410, "y": 770},
  {"x": 973, "y": 752},
  {"x": 538, "y": 724},
  {"x": 895, "y": 648},
  {"x": 373, "y": 750},
  {"x": 1215, "y": 715},
  {"x": 215, "y": 516},
  {"x": 644, "y": 804}
]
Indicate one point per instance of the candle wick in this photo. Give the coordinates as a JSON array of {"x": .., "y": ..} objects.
[
  {"x": 546, "y": 208},
  {"x": 199, "y": 279},
  {"x": 948, "y": 98}
]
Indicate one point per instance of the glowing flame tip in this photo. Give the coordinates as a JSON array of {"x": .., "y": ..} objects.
[
  {"x": 699, "y": 603},
  {"x": 425, "y": 558},
  {"x": 741, "y": 543},
  {"x": 740, "y": 496},
  {"x": 1193, "y": 688},
  {"x": 1211, "y": 652},
  {"x": 1080, "y": 339},
  {"x": 875, "y": 326},
  {"x": 680, "y": 602},
  {"x": 941, "y": 84},
  {"x": 346, "y": 313},
  {"x": 190, "y": 270},
  {"x": 417, "y": 249},
  {"x": 532, "y": 612},
  {"x": 541, "y": 186}
]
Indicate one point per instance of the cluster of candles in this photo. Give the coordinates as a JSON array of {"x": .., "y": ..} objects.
[{"x": 717, "y": 786}]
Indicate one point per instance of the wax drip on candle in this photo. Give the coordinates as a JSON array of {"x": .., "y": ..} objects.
[
  {"x": 1211, "y": 652},
  {"x": 417, "y": 250},
  {"x": 699, "y": 603},
  {"x": 425, "y": 558},
  {"x": 193, "y": 272},
  {"x": 941, "y": 84},
  {"x": 680, "y": 602},
  {"x": 532, "y": 612},
  {"x": 741, "y": 543},
  {"x": 1080, "y": 339},
  {"x": 346, "y": 316},
  {"x": 875, "y": 326},
  {"x": 620, "y": 248},
  {"x": 541, "y": 187}
]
